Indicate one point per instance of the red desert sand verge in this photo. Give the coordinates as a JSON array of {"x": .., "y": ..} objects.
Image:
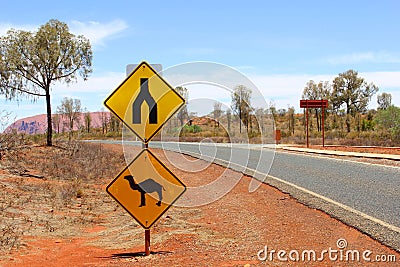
[{"x": 228, "y": 232}]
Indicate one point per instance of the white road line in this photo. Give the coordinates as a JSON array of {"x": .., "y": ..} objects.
[
  {"x": 307, "y": 154},
  {"x": 362, "y": 214},
  {"x": 345, "y": 207}
]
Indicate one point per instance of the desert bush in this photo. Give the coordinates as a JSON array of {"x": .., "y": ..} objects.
[
  {"x": 39, "y": 139},
  {"x": 66, "y": 195},
  {"x": 84, "y": 161},
  {"x": 70, "y": 191},
  {"x": 8, "y": 142},
  {"x": 190, "y": 129},
  {"x": 10, "y": 235},
  {"x": 113, "y": 134}
]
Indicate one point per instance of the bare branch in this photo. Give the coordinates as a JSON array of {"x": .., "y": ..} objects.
[{"x": 29, "y": 92}]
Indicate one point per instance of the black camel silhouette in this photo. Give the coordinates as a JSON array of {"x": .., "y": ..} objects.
[{"x": 147, "y": 186}]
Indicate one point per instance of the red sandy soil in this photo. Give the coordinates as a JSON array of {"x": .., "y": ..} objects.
[{"x": 228, "y": 232}]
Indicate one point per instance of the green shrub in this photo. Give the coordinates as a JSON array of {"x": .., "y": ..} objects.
[{"x": 191, "y": 129}]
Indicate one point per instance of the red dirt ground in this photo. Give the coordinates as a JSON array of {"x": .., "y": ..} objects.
[{"x": 228, "y": 232}]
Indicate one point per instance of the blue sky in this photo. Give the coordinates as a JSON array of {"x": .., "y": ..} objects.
[{"x": 279, "y": 45}]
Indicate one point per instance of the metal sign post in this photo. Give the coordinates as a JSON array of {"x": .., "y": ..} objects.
[
  {"x": 146, "y": 188},
  {"x": 323, "y": 126},
  {"x": 147, "y": 242},
  {"x": 307, "y": 125},
  {"x": 146, "y": 231}
]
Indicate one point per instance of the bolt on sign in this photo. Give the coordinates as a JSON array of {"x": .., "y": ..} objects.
[
  {"x": 144, "y": 101},
  {"x": 146, "y": 188}
]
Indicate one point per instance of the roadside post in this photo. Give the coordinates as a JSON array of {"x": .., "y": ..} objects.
[
  {"x": 322, "y": 103},
  {"x": 145, "y": 188}
]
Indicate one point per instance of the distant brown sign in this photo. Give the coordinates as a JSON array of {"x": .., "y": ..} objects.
[{"x": 322, "y": 103}]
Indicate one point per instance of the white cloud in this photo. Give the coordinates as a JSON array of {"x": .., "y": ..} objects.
[
  {"x": 388, "y": 82},
  {"x": 5, "y": 27},
  {"x": 285, "y": 84},
  {"x": 100, "y": 84},
  {"x": 383, "y": 79},
  {"x": 286, "y": 90},
  {"x": 365, "y": 57},
  {"x": 203, "y": 96},
  {"x": 91, "y": 92},
  {"x": 97, "y": 32}
]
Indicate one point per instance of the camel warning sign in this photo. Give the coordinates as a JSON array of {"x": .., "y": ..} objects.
[
  {"x": 146, "y": 188},
  {"x": 144, "y": 101}
]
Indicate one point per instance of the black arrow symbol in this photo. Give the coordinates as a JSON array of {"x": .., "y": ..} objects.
[{"x": 144, "y": 95}]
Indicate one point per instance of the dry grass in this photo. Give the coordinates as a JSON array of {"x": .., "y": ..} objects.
[{"x": 47, "y": 190}]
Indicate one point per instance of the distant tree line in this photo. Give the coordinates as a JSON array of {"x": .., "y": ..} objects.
[
  {"x": 347, "y": 115},
  {"x": 349, "y": 96},
  {"x": 71, "y": 117}
]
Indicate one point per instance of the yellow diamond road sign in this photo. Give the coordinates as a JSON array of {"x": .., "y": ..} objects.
[
  {"x": 144, "y": 101},
  {"x": 146, "y": 188}
]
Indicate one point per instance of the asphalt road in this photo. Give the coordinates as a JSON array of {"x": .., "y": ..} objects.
[
  {"x": 363, "y": 195},
  {"x": 371, "y": 189}
]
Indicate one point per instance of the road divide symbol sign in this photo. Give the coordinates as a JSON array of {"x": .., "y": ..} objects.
[
  {"x": 146, "y": 188},
  {"x": 144, "y": 101}
]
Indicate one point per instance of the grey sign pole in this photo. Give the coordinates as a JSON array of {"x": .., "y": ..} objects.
[{"x": 158, "y": 69}]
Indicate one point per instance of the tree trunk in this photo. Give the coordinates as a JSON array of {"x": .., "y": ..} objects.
[
  {"x": 250, "y": 123},
  {"x": 318, "y": 122},
  {"x": 348, "y": 117},
  {"x": 291, "y": 123},
  {"x": 228, "y": 117},
  {"x": 348, "y": 123},
  {"x": 49, "y": 124},
  {"x": 240, "y": 120}
]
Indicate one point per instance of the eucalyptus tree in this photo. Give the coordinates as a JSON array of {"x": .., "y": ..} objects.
[
  {"x": 384, "y": 100},
  {"x": 241, "y": 96},
  {"x": 183, "y": 112},
  {"x": 314, "y": 91},
  {"x": 71, "y": 110},
  {"x": 352, "y": 93},
  {"x": 31, "y": 62}
]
